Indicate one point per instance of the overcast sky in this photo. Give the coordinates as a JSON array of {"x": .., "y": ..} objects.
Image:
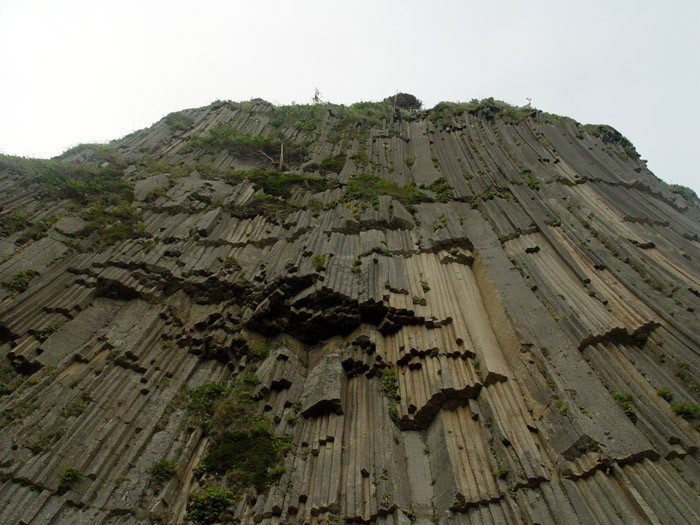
[{"x": 90, "y": 71}]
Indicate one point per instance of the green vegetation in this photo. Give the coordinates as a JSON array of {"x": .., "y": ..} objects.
[
  {"x": 688, "y": 194},
  {"x": 243, "y": 451},
  {"x": 381, "y": 250},
  {"x": 334, "y": 164},
  {"x": 178, "y": 120},
  {"x": 561, "y": 406},
  {"x": 19, "y": 282},
  {"x": 276, "y": 183},
  {"x": 249, "y": 457},
  {"x": 250, "y": 379},
  {"x": 46, "y": 332},
  {"x": 501, "y": 473},
  {"x": 37, "y": 230},
  {"x": 410, "y": 160},
  {"x": 407, "y": 101},
  {"x": 665, "y": 393},
  {"x": 95, "y": 187},
  {"x": 209, "y": 505},
  {"x": 259, "y": 351},
  {"x": 446, "y": 113},
  {"x": 625, "y": 400},
  {"x": 367, "y": 187},
  {"x": 303, "y": 117},
  {"x": 443, "y": 190},
  {"x": 75, "y": 409},
  {"x": 357, "y": 119},
  {"x": 685, "y": 410},
  {"x": 425, "y": 286},
  {"x": 70, "y": 475},
  {"x": 225, "y": 137},
  {"x": 12, "y": 222},
  {"x": 113, "y": 224},
  {"x": 162, "y": 471},
  {"x": 531, "y": 181},
  {"x": 201, "y": 398},
  {"x": 318, "y": 261},
  {"x": 390, "y": 383}
]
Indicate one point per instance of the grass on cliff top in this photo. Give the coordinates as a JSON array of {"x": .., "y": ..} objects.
[
  {"x": 264, "y": 147},
  {"x": 97, "y": 190},
  {"x": 445, "y": 113}
]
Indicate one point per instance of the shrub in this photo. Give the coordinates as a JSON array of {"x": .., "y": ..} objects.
[
  {"x": 48, "y": 330},
  {"x": 70, "y": 475},
  {"x": 625, "y": 400},
  {"x": 162, "y": 471},
  {"x": 443, "y": 190},
  {"x": 260, "y": 351},
  {"x": 12, "y": 222},
  {"x": 251, "y": 456},
  {"x": 685, "y": 410},
  {"x": 390, "y": 383},
  {"x": 203, "y": 396},
  {"x": 249, "y": 378},
  {"x": 665, "y": 393},
  {"x": 20, "y": 281},
  {"x": 407, "y": 101},
  {"x": 410, "y": 160},
  {"x": 178, "y": 120},
  {"x": 333, "y": 164},
  {"x": 367, "y": 187},
  {"x": 561, "y": 406},
  {"x": 208, "y": 505},
  {"x": 318, "y": 261}
]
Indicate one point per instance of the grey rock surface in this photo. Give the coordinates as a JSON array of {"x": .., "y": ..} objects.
[{"x": 470, "y": 314}]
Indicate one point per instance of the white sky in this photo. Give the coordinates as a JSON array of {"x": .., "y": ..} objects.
[{"x": 87, "y": 71}]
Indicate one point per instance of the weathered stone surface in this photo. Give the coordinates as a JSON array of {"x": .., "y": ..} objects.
[
  {"x": 518, "y": 344},
  {"x": 323, "y": 388}
]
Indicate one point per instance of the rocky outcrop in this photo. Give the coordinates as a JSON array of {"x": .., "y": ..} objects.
[{"x": 496, "y": 323}]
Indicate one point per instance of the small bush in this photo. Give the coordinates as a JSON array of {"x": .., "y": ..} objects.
[
  {"x": 12, "y": 222},
  {"x": 367, "y": 187},
  {"x": 625, "y": 401},
  {"x": 425, "y": 286},
  {"x": 19, "y": 282},
  {"x": 260, "y": 351},
  {"x": 249, "y": 378},
  {"x": 203, "y": 396},
  {"x": 334, "y": 164},
  {"x": 665, "y": 393},
  {"x": 178, "y": 121},
  {"x": 443, "y": 190},
  {"x": 70, "y": 475},
  {"x": 390, "y": 383},
  {"x": 685, "y": 410},
  {"x": 162, "y": 471},
  {"x": 410, "y": 160},
  {"x": 48, "y": 330},
  {"x": 318, "y": 261},
  {"x": 209, "y": 505},
  {"x": 252, "y": 456},
  {"x": 561, "y": 406}
]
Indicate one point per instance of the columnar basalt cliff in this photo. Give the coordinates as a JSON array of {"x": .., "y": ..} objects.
[{"x": 366, "y": 314}]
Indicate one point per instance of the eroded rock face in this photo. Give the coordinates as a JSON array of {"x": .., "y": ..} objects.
[{"x": 514, "y": 339}]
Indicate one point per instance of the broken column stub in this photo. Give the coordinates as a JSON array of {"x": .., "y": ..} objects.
[{"x": 323, "y": 389}]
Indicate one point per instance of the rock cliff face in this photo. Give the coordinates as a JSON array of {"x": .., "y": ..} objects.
[{"x": 309, "y": 314}]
